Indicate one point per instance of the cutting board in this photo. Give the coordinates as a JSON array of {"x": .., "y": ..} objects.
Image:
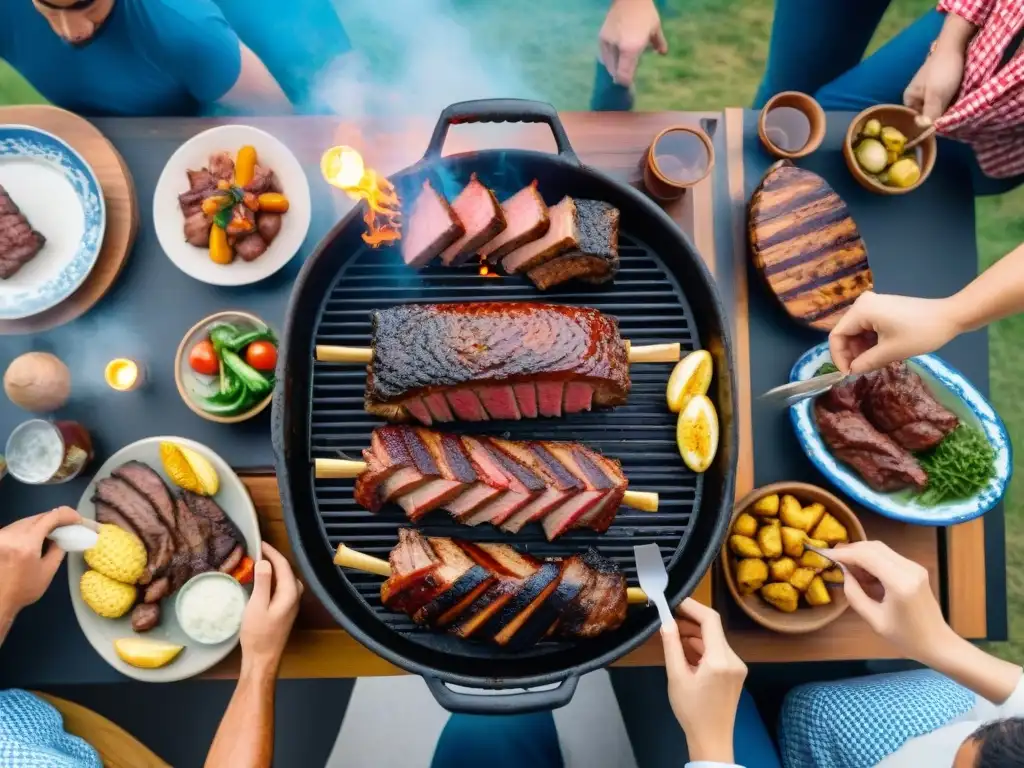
[{"x": 806, "y": 245}]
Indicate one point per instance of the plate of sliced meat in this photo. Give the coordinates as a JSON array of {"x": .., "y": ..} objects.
[
  {"x": 52, "y": 221},
  {"x": 193, "y": 516},
  {"x": 914, "y": 441}
]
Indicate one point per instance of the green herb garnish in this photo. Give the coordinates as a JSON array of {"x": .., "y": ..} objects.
[
  {"x": 826, "y": 368},
  {"x": 958, "y": 467}
]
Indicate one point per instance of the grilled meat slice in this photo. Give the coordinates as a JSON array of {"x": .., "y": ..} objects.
[
  {"x": 145, "y": 616},
  {"x": 526, "y": 219},
  {"x": 595, "y": 259},
  {"x": 477, "y": 209},
  {"x": 432, "y": 227},
  {"x": 139, "y": 512},
  {"x": 19, "y": 243},
  {"x": 268, "y": 225},
  {"x": 251, "y": 247},
  {"x": 489, "y": 480},
  {"x": 197, "y": 229},
  {"x": 898, "y": 403},
  {"x": 224, "y": 533},
  {"x": 147, "y": 482},
  {"x": 201, "y": 179},
  {"x": 456, "y": 350},
  {"x": 563, "y": 235},
  {"x": 157, "y": 590},
  {"x": 492, "y": 592},
  {"x": 222, "y": 166},
  {"x": 262, "y": 178}
]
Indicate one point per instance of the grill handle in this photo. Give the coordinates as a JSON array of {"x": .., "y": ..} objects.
[
  {"x": 500, "y": 111},
  {"x": 519, "y": 703}
]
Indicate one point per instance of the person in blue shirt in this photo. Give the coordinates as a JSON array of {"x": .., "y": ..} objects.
[{"x": 135, "y": 57}]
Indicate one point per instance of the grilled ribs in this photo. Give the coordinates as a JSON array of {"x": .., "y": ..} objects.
[
  {"x": 478, "y": 480},
  {"x": 480, "y": 361},
  {"x": 491, "y": 592}
]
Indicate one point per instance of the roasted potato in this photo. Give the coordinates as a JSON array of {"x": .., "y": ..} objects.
[
  {"x": 830, "y": 530},
  {"x": 833, "y": 575},
  {"x": 793, "y": 541},
  {"x": 782, "y": 568},
  {"x": 745, "y": 525},
  {"x": 816, "y": 542},
  {"x": 771, "y": 522},
  {"x": 817, "y": 592},
  {"x": 751, "y": 574},
  {"x": 767, "y": 506},
  {"x": 781, "y": 596},
  {"x": 801, "y": 578},
  {"x": 769, "y": 539},
  {"x": 744, "y": 546},
  {"x": 787, "y": 506},
  {"x": 814, "y": 561},
  {"x": 804, "y": 518}
]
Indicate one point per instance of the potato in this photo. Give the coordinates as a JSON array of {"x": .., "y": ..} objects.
[
  {"x": 771, "y": 522},
  {"x": 817, "y": 592},
  {"x": 833, "y": 575},
  {"x": 751, "y": 574},
  {"x": 831, "y": 530},
  {"x": 782, "y": 568},
  {"x": 816, "y": 543},
  {"x": 814, "y": 561},
  {"x": 787, "y": 506},
  {"x": 781, "y": 596},
  {"x": 745, "y": 525},
  {"x": 744, "y": 546},
  {"x": 802, "y": 578},
  {"x": 767, "y": 506},
  {"x": 769, "y": 538},
  {"x": 793, "y": 541},
  {"x": 817, "y": 510},
  {"x": 804, "y": 518}
]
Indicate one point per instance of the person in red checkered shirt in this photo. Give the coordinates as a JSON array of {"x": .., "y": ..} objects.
[{"x": 960, "y": 65}]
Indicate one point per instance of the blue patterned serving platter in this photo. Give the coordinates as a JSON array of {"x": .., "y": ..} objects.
[
  {"x": 60, "y": 196},
  {"x": 954, "y": 391}
]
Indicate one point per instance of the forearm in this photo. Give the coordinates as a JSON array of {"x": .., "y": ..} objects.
[
  {"x": 957, "y": 32},
  {"x": 256, "y": 88},
  {"x": 991, "y": 678},
  {"x": 996, "y": 293},
  {"x": 6, "y": 620},
  {"x": 245, "y": 738},
  {"x": 711, "y": 747}
]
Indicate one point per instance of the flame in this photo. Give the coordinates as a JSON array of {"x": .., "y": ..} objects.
[
  {"x": 343, "y": 167},
  {"x": 485, "y": 271}
]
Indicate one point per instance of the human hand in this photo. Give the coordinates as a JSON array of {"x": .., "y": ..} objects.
[
  {"x": 28, "y": 561},
  {"x": 936, "y": 84},
  {"x": 629, "y": 29},
  {"x": 893, "y": 595},
  {"x": 705, "y": 680},
  {"x": 880, "y": 328},
  {"x": 268, "y": 618}
]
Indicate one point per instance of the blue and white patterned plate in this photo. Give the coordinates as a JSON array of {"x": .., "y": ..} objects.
[
  {"x": 954, "y": 391},
  {"x": 59, "y": 194}
]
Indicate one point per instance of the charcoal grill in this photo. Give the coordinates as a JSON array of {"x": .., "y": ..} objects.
[{"x": 663, "y": 293}]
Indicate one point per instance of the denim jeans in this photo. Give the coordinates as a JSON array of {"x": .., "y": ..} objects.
[{"x": 817, "y": 47}]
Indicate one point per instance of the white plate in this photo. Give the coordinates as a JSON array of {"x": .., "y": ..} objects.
[
  {"x": 953, "y": 390},
  {"x": 195, "y": 153},
  {"x": 60, "y": 196},
  {"x": 196, "y": 658}
]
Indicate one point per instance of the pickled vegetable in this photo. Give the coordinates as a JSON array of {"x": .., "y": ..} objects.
[
  {"x": 871, "y": 129},
  {"x": 904, "y": 173},
  {"x": 893, "y": 139},
  {"x": 245, "y": 165},
  {"x": 220, "y": 251},
  {"x": 273, "y": 202},
  {"x": 871, "y": 156}
]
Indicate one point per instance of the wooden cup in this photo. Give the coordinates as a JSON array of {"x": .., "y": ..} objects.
[
  {"x": 660, "y": 183},
  {"x": 811, "y": 110}
]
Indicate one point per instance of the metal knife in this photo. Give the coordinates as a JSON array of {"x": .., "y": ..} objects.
[{"x": 795, "y": 392}]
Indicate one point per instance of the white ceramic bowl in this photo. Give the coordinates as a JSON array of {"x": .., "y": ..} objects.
[{"x": 190, "y": 585}]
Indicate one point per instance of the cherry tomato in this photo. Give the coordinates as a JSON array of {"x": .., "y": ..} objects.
[
  {"x": 203, "y": 359},
  {"x": 261, "y": 355}
]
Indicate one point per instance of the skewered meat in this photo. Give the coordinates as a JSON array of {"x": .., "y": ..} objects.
[
  {"x": 562, "y": 486},
  {"x": 250, "y": 247},
  {"x": 19, "y": 243},
  {"x": 197, "y": 228},
  {"x": 595, "y": 259},
  {"x": 479, "y": 361},
  {"x": 526, "y": 219},
  {"x": 491, "y": 592},
  {"x": 563, "y": 234},
  {"x": 897, "y": 402},
  {"x": 268, "y": 225},
  {"x": 431, "y": 228},
  {"x": 478, "y": 210}
]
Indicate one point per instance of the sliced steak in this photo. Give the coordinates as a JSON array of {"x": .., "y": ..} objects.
[
  {"x": 197, "y": 229},
  {"x": 578, "y": 397},
  {"x": 261, "y": 179},
  {"x": 432, "y": 227},
  {"x": 563, "y": 234},
  {"x": 526, "y": 219},
  {"x": 596, "y": 257},
  {"x": 19, "y": 243},
  {"x": 139, "y": 512},
  {"x": 201, "y": 179},
  {"x": 147, "y": 482},
  {"x": 466, "y": 405},
  {"x": 499, "y": 401},
  {"x": 898, "y": 403},
  {"x": 222, "y": 166},
  {"x": 477, "y": 209},
  {"x": 224, "y": 533}
]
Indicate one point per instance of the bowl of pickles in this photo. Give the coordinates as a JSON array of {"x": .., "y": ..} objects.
[
  {"x": 770, "y": 562},
  {"x": 876, "y": 154}
]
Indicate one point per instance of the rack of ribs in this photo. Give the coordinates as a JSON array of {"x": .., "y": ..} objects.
[
  {"x": 562, "y": 486},
  {"x": 488, "y": 360},
  {"x": 491, "y": 592}
]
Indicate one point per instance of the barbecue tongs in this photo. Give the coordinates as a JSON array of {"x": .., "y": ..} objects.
[{"x": 797, "y": 391}]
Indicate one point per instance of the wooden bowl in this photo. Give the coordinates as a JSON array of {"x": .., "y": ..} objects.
[
  {"x": 182, "y": 370},
  {"x": 662, "y": 186},
  {"x": 812, "y": 111},
  {"x": 806, "y": 618},
  {"x": 901, "y": 118}
]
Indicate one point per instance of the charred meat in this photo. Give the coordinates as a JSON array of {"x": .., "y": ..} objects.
[
  {"x": 492, "y": 593},
  {"x": 596, "y": 257},
  {"x": 480, "y": 361},
  {"x": 563, "y": 235},
  {"x": 19, "y": 243},
  {"x": 509, "y": 484},
  {"x": 897, "y": 402},
  {"x": 481, "y": 216},
  {"x": 432, "y": 227},
  {"x": 526, "y": 219}
]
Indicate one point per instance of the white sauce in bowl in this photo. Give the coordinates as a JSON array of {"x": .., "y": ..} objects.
[{"x": 210, "y": 608}]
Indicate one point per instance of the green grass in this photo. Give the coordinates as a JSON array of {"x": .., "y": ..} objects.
[{"x": 717, "y": 54}]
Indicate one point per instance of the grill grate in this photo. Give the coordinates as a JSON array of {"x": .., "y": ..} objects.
[{"x": 651, "y": 308}]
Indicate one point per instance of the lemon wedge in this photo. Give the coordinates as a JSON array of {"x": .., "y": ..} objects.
[
  {"x": 189, "y": 470},
  {"x": 697, "y": 433},
  {"x": 690, "y": 377},
  {"x": 145, "y": 653}
]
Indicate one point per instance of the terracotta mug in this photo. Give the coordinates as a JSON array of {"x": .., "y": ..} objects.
[
  {"x": 782, "y": 137},
  {"x": 680, "y": 157}
]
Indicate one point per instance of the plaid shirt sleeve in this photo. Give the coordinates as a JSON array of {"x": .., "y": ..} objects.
[{"x": 974, "y": 11}]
